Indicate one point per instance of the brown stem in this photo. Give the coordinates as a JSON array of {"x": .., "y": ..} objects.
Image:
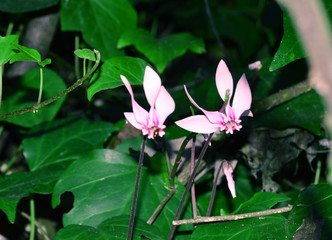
[
  {"x": 56, "y": 97},
  {"x": 232, "y": 217}
]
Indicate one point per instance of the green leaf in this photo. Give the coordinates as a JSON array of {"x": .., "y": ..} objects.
[
  {"x": 268, "y": 227},
  {"x": 25, "y": 54},
  {"x": 19, "y": 6},
  {"x": 290, "y": 48},
  {"x": 100, "y": 21},
  {"x": 161, "y": 51},
  {"x": 305, "y": 111},
  {"x": 261, "y": 201},
  {"x": 7, "y": 47},
  {"x": 16, "y": 186},
  {"x": 58, "y": 141},
  {"x": 113, "y": 228},
  {"x": 103, "y": 186},
  {"x": 26, "y": 96},
  {"x": 85, "y": 54},
  {"x": 108, "y": 77}
]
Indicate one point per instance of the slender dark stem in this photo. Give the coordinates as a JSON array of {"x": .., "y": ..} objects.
[
  {"x": 216, "y": 34},
  {"x": 56, "y": 97},
  {"x": 170, "y": 237},
  {"x": 213, "y": 191},
  {"x": 193, "y": 195},
  {"x": 178, "y": 157},
  {"x": 133, "y": 206},
  {"x": 161, "y": 206}
]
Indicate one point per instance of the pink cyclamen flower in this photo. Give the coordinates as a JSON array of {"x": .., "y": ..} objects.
[
  {"x": 162, "y": 105},
  {"x": 228, "y": 170},
  {"x": 228, "y": 119}
]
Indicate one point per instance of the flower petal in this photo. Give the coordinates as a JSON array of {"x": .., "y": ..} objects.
[
  {"x": 228, "y": 170},
  {"x": 242, "y": 97},
  {"x": 141, "y": 115},
  {"x": 224, "y": 80},
  {"x": 151, "y": 85},
  {"x": 198, "y": 124},
  {"x": 165, "y": 105},
  {"x": 130, "y": 117},
  {"x": 213, "y": 116}
]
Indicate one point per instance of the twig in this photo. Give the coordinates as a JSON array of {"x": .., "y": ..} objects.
[
  {"x": 232, "y": 217},
  {"x": 161, "y": 206},
  {"x": 56, "y": 97},
  {"x": 281, "y": 97}
]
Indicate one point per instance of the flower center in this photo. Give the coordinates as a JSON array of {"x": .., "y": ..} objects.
[{"x": 231, "y": 125}]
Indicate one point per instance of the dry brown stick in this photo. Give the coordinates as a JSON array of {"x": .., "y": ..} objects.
[{"x": 232, "y": 217}]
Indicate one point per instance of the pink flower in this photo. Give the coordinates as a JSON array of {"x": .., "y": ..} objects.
[
  {"x": 228, "y": 119},
  {"x": 228, "y": 170},
  {"x": 162, "y": 105}
]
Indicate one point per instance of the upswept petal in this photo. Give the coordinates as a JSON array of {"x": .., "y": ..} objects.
[
  {"x": 242, "y": 97},
  {"x": 230, "y": 112},
  {"x": 165, "y": 105},
  {"x": 213, "y": 116},
  {"x": 141, "y": 115},
  {"x": 151, "y": 85},
  {"x": 130, "y": 117},
  {"x": 224, "y": 80},
  {"x": 198, "y": 124}
]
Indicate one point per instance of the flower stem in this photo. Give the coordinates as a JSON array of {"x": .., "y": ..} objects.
[
  {"x": 84, "y": 66},
  {"x": 40, "y": 86},
  {"x": 133, "y": 206},
  {"x": 56, "y": 97},
  {"x": 318, "y": 170},
  {"x": 9, "y": 28},
  {"x": 178, "y": 157},
  {"x": 12, "y": 160},
  {"x": 32, "y": 219},
  {"x": 213, "y": 191},
  {"x": 76, "y": 60},
  {"x": 193, "y": 196},
  {"x": 232, "y": 217},
  {"x": 170, "y": 236}
]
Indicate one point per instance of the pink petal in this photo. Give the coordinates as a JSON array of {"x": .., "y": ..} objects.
[
  {"x": 141, "y": 115},
  {"x": 198, "y": 124},
  {"x": 228, "y": 170},
  {"x": 151, "y": 85},
  {"x": 130, "y": 117},
  {"x": 230, "y": 112},
  {"x": 213, "y": 116},
  {"x": 242, "y": 97},
  {"x": 165, "y": 105},
  {"x": 224, "y": 80}
]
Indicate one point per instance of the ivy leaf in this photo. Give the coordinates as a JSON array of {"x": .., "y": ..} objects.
[
  {"x": 16, "y": 186},
  {"x": 26, "y": 96},
  {"x": 19, "y": 6},
  {"x": 267, "y": 227},
  {"x": 305, "y": 111},
  {"x": 100, "y": 21},
  {"x": 7, "y": 47},
  {"x": 108, "y": 77},
  {"x": 161, "y": 51},
  {"x": 58, "y": 141},
  {"x": 28, "y": 54},
  {"x": 109, "y": 177},
  {"x": 85, "y": 54},
  {"x": 110, "y": 229},
  {"x": 290, "y": 48},
  {"x": 260, "y": 201}
]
